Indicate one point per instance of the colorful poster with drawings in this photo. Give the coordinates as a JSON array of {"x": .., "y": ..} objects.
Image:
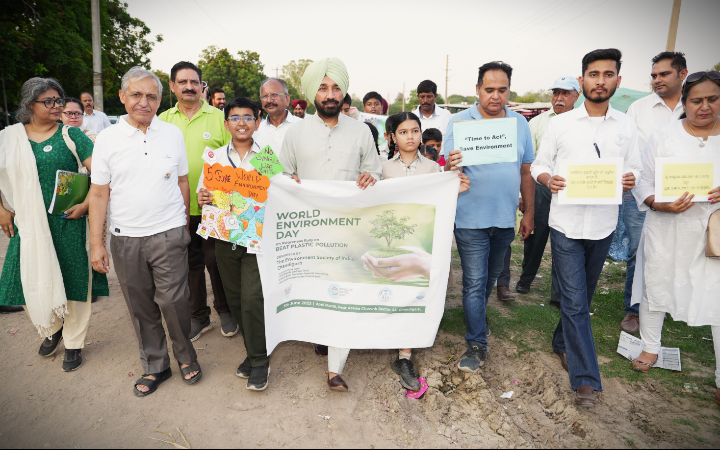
[
  {"x": 237, "y": 211},
  {"x": 379, "y": 122}
]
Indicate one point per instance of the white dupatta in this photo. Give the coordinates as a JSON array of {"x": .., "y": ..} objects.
[{"x": 42, "y": 281}]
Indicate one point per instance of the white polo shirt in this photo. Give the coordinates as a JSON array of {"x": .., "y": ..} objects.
[
  {"x": 652, "y": 113},
  {"x": 142, "y": 170},
  {"x": 269, "y": 134},
  {"x": 439, "y": 119},
  {"x": 94, "y": 123},
  {"x": 573, "y": 135}
]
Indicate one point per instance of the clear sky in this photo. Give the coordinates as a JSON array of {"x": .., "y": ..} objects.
[{"x": 390, "y": 42}]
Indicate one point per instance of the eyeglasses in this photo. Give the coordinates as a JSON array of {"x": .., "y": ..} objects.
[
  {"x": 72, "y": 115},
  {"x": 246, "y": 119},
  {"x": 274, "y": 97},
  {"x": 55, "y": 101},
  {"x": 697, "y": 76}
]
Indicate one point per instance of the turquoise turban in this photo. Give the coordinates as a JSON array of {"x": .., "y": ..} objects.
[{"x": 314, "y": 74}]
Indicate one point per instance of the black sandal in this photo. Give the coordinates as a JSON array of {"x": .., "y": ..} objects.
[
  {"x": 194, "y": 367},
  {"x": 152, "y": 384}
]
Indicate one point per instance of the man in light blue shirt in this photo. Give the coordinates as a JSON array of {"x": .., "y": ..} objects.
[{"x": 485, "y": 218}]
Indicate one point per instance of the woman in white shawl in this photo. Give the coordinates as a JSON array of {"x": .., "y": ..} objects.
[
  {"x": 48, "y": 270},
  {"x": 676, "y": 276}
]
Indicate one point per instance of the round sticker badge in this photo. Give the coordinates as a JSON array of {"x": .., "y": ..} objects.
[
  {"x": 619, "y": 139},
  {"x": 206, "y": 135},
  {"x": 211, "y": 154},
  {"x": 167, "y": 176},
  {"x": 47, "y": 148}
]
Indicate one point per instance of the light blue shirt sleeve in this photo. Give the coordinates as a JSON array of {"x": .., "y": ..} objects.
[
  {"x": 449, "y": 139},
  {"x": 529, "y": 155}
]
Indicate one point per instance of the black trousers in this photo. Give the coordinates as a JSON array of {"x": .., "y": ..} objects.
[{"x": 201, "y": 254}]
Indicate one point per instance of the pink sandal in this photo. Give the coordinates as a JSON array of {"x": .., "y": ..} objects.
[{"x": 642, "y": 367}]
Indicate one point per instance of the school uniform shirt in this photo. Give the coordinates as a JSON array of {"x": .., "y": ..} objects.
[
  {"x": 650, "y": 114},
  {"x": 573, "y": 135},
  {"x": 269, "y": 134},
  {"x": 205, "y": 129},
  {"x": 142, "y": 170},
  {"x": 396, "y": 167},
  {"x": 228, "y": 156}
]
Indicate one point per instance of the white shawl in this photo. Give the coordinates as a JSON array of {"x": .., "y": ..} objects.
[{"x": 42, "y": 281}]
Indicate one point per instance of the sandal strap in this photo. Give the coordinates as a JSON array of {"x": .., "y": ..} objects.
[
  {"x": 194, "y": 367},
  {"x": 146, "y": 382},
  {"x": 645, "y": 364}
]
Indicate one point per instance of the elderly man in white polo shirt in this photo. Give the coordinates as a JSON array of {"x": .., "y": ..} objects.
[
  {"x": 275, "y": 100},
  {"x": 141, "y": 166},
  {"x": 94, "y": 121},
  {"x": 431, "y": 115}
]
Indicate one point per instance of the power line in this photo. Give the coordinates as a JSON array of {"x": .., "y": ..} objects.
[
  {"x": 541, "y": 21},
  {"x": 211, "y": 18},
  {"x": 189, "y": 17}
]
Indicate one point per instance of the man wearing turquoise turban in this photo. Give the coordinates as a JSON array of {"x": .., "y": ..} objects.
[{"x": 330, "y": 146}]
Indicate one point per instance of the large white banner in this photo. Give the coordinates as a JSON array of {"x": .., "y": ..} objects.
[{"x": 357, "y": 269}]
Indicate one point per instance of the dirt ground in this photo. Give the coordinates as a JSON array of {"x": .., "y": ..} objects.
[{"x": 42, "y": 407}]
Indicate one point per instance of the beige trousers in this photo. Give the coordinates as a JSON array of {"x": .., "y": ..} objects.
[{"x": 75, "y": 326}]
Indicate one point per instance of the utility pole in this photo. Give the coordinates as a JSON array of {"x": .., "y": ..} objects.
[
  {"x": 96, "y": 55},
  {"x": 7, "y": 117},
  {"x": 447, "y": 66},
  {"x": 672, "y": 32},
  {"x": 276, "y": 71},
  {"x": 403, "y": 96}
]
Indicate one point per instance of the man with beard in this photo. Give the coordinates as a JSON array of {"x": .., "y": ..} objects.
[
  {"x": 202, "y": 126},
  {"x": 299, "y": 106},
  {"x": 663, "y": 106},
  {"x": 566, "y": 91},
  {"x": 216, "y": 98},
  {"x": 431, "y": 115},
  {"x": 330, "y": 146},
  {"x": 275, "y": 100},
  {"x": 581, "y": 235}
]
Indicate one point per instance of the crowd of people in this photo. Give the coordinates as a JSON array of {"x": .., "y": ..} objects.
[{"x": 59, "y": 266}]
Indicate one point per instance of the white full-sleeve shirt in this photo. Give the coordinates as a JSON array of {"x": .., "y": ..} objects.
[
  {"x": 573, "y": 135},
  {"x": 94, "y": 123},
  {"x": 650, "y": 114}
]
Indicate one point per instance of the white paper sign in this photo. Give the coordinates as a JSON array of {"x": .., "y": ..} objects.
[
  {"x": 675, "y": 176},
  {"x": 353, "y": 268},
  {"x": 210, "y": 156},
  {"x": 591, "y": 181},
  {"x": 631, "y": 347}
]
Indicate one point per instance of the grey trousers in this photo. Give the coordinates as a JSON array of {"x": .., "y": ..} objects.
[{"x": 153, "y": 273}]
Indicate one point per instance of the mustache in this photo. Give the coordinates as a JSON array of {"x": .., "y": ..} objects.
[
  {"x": 271, "y": 105},
  {"x": 425, "y": 104},
  {"x": 189, "y": 91},
  {"x": 330, "y": 102},
  {"x": 560, "y": 103}
]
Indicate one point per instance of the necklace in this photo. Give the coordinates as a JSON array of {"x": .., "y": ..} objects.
[{"x": 702, "y": 142}]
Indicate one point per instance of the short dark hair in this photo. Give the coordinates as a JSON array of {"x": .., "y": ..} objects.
[
  {"x": 371, "y": 95},
  {"x": 494, "y": 65},
  {"x": 677, "y": 59},
  {"x": 347, "y": 100},
  {"x": 432, "y": 134},
  {"x": 427, "y": 86},
  {"x": 213, "y": 91},
  {"x": 600, "y": 55},
  {"x": 375, "y": 134},
  {"x": 184, "y": 65},
  {"x": 88, "y": 93},
  {"x": 428, "y": 152},
  {"x": 241, "y": 102}
]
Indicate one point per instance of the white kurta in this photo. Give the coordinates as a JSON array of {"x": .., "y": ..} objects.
[{"x": 674, "y": 274}]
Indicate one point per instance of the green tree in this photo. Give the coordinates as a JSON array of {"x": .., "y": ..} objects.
[
  {"x": 239, "y": 76},
  {"x": 541, "y": 95},
  {"x": 387, "y": 226},
  {"x": 166, "y": 101},
  {"x": 292, "y": 73},
  {"x": 47, "y": 38},
  {"x": 715, "y": 68},
  {"x": 458, "y": 99}
]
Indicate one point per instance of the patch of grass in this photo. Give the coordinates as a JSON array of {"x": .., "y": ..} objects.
[
  {"x": 388, "y": 252},
  {"x": 530, "y": 326},
  {"x": 688, "y": 422}
]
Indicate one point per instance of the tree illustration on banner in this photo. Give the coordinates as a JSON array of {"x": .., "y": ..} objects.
[{"x": 387, "y": 226}]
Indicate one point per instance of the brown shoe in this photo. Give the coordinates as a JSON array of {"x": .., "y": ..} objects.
[
  {"x": 585, "y": 397},
  {"x": 504, "y": 294},
  {"x": 631, "y": 324},
  {"x": 563, "y": 361},
  {"x": 337, "y": 384}
]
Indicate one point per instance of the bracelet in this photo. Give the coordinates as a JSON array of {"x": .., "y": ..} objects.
[
  {"x": 549, "y": 183},
  {"x": 651, "y": 206}
]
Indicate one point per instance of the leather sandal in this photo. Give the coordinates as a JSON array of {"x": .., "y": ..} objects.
[
  {"x": 643, "y": 367},
  {"x": 338, "y": 384},
  {"x": 194, "y": 367},
  {"x": 152, "y": 384}
]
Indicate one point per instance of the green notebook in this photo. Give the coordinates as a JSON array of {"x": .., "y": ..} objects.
[{"x": 70, "y": 189}]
